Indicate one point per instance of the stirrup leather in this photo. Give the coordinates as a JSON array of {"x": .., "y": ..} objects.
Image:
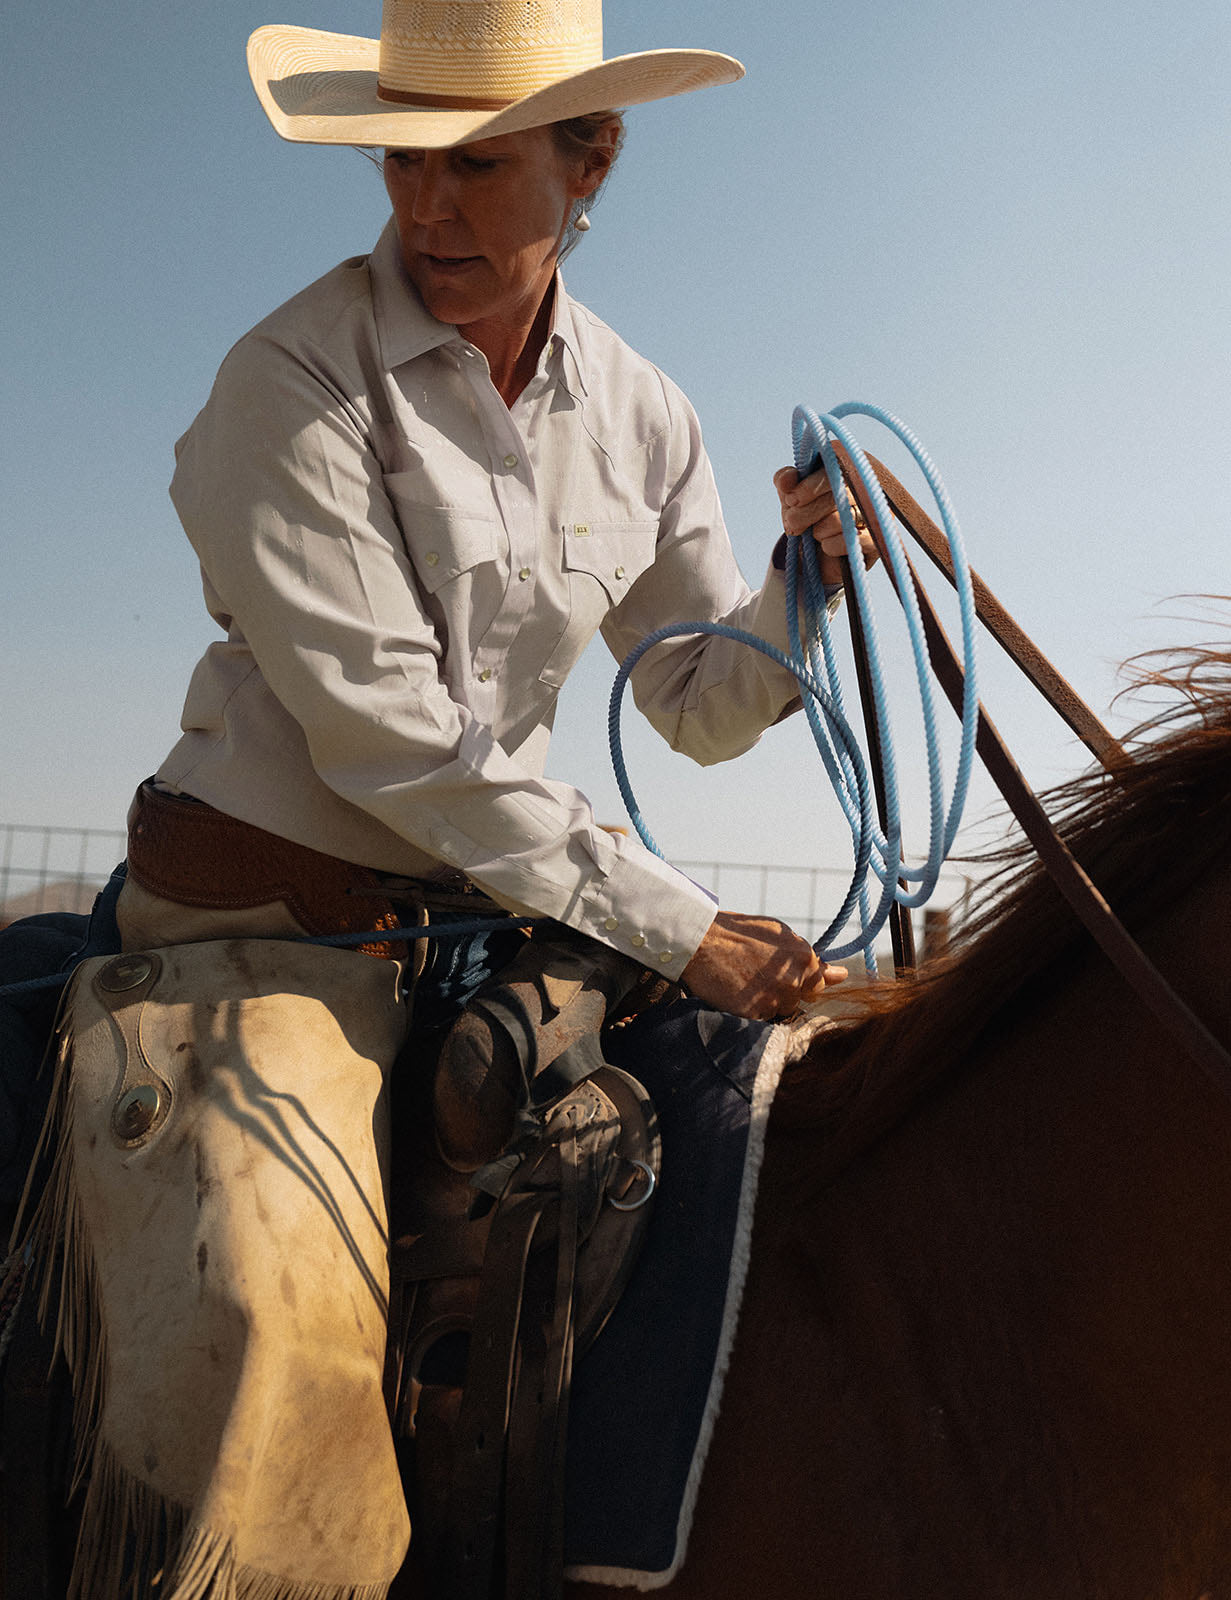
[{"x": 526, "y": 1262}]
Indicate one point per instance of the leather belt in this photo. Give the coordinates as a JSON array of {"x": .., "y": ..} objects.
[{"x": 184, "y": 850}]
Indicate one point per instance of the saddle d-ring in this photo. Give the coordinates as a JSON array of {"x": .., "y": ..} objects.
[{"x": 651, "y": 1184}]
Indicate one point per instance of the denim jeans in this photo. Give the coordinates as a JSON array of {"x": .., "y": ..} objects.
[{"x": 457, "y": 967}]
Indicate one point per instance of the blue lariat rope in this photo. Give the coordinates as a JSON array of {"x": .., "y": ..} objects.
[
  {"x": 813, "y": 662},
  {"x": 343, "y": 941}
]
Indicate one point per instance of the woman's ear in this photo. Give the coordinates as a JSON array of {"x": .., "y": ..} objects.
[{"x": 596, "y": 163}]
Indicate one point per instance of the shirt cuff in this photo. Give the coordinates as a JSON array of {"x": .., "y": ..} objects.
[{"x": 645, "y": 909}]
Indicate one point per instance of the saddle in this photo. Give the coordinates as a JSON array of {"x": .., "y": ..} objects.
[{"x": 499, "y": 1280}]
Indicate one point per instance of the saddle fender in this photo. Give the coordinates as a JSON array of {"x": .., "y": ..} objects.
[{"x": 498, "y": 1283}]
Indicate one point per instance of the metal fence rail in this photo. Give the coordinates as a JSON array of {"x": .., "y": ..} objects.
[
  {"x": 61, "y": 869},
  {"x": 54, "y": 869},
  {"x": 808, "y": 897}
]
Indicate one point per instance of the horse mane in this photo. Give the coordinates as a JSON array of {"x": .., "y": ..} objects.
[{"x": 1166, "y": 807}]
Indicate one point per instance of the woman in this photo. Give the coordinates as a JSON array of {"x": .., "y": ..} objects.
[{"x": 416, "y": 492}]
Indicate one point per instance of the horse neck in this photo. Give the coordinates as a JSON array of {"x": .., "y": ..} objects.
[{"x": 1026, "y": 1303}]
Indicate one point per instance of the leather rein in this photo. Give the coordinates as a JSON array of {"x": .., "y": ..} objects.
[{"x": 1142, "y": 976}]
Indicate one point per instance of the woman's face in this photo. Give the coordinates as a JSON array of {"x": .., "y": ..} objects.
[{"x": 480, "y": 224}]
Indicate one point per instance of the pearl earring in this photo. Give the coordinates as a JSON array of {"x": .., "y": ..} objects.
[{"x": 582, "y": 223}]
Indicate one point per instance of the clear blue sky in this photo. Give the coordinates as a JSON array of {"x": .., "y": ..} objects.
[{"x": 1008, "y": 223}]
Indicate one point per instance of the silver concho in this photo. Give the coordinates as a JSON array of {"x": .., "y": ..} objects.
[
  {"x": 125, "y": 972},
  {"x": 137, "y": 1112}
]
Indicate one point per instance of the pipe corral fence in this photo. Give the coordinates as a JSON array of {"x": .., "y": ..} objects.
[
  {"x": 61, "y": 869},
  {"x": 54, "y": 869}
]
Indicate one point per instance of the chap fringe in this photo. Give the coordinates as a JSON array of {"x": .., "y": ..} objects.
[{"x": 132, "y": 1540}]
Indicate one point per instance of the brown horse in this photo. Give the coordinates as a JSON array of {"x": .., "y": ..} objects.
[
  {"x": 986, "y": 1341},
  {"x": 985, "y": 1348}
]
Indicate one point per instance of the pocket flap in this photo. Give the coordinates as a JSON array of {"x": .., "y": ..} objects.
[
  {"x": 616, "y": 553},
  {"x": 442, "y": 541}
]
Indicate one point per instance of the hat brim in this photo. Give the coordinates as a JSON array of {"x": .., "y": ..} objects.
[{"x": 320, "y": 88}]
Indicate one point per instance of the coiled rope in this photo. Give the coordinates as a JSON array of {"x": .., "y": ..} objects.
[{"x": 813, "y": 662}]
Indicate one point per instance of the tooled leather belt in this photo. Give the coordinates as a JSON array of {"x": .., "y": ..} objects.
[{"x": 185, "y": 850}]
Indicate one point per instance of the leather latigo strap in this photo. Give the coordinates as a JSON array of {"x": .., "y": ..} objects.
[{"x": 1068, "y": 875}]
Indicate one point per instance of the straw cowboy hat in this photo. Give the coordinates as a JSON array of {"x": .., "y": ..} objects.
[{"x": 445, "y": 72}]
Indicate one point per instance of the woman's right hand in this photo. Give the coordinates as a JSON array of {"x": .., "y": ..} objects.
[
  {"x": 808, "y": 503},
  {"x": 757, "y": 967}
]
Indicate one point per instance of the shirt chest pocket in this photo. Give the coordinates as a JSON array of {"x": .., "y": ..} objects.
[
  {"x": 442, "y": 541},
  {"x": 601, "y": 562}
]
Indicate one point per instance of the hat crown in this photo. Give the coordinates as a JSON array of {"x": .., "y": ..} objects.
[{"x": 486, "y": 51}]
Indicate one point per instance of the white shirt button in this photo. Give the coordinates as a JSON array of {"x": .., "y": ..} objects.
[
  {"x": 524, "y": 573},
  {"x": 432, "y": 557},
  {"x": 510, "y": 460},
  {"x": 619, "y": 572},
  {"x": 611, "y": 924}
]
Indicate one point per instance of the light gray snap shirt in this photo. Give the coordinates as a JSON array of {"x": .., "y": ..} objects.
[{"x": 405, "y": 571}]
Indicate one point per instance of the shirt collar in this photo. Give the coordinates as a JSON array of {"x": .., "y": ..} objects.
[
  {"x": 406, "y": 329},
  {"x": 564, "y": 330}
]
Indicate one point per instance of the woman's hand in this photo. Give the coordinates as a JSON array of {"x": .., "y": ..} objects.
[
  {"x": 810, "y": 504},
  {"x": 756, "y": 967}
]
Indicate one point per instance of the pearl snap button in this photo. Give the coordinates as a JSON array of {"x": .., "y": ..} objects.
[
  {"x": 637, "y": 940},
  {"x": 510, "y": 460},
  {"x": 431, "y": 558},
  {"x": 524, "y": 574},
  {"x": 619, "y": 572},
  {"x": 485, "y": 674},
  {"x": 611, "y": 924}
]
